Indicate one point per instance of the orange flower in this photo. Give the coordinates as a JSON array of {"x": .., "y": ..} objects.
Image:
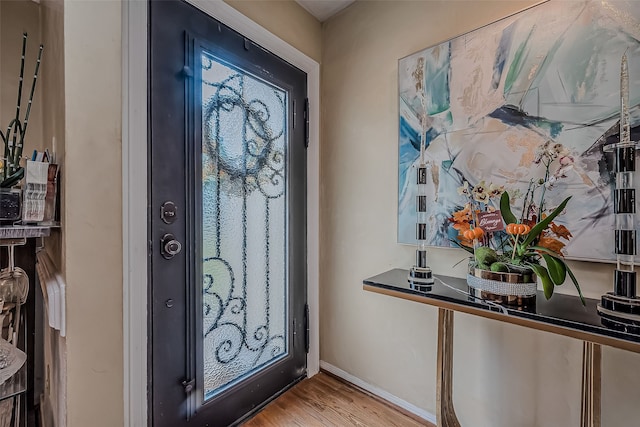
[
  {"x": 462, "y": 227},
  {"x": 518, "y": 229},
  {"x": 462, "y": 216},
  {"x": 560, "y": 231},
  {"x": 473, "y": 233},
  {"x": 465, "y": 242}
]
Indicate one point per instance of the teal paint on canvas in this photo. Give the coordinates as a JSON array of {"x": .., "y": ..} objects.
[
  {"x": 517, "y": 63},
  {"x": 437, "y": 83},
  {"x": 493, "y": 96}
]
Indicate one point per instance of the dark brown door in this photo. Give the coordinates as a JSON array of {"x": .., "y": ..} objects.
[{"x": 227, "y": 221}]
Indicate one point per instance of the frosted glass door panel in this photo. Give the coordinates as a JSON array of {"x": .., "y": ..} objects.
[{"x": 244, "y": 184}]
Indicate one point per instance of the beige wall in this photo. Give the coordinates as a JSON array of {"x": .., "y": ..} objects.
[
  {"x": 505, "y": 376},
  {"x": 287, "y": 20},
  {"x": 93, "y": 218}
]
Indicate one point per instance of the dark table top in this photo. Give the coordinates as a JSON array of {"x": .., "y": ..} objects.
[{"x": 562, "y": 314}]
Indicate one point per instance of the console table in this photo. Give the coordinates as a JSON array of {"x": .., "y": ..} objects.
[{"x": 562, "y": 314}]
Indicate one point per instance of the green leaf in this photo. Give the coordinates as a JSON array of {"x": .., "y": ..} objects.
[
  {"x": 13, "y": 179},
  {"x": 547, "y": 284},
  {"x": 539, "y": 227},
  {"x": 505, "y": 209},
  {"x": 575, "y": 282},
  {"x": 569, "y": 272},
  {"x": 557, "y": 269},
  {"x": 463, "y": 259}
]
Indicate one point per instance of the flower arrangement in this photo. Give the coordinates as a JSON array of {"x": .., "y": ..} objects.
[
  {"x": 11, "y": 171},
  {"x": 532, "y": 241}
]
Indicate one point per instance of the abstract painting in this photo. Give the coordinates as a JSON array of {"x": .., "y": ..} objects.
[{"x": 488, "y": 101}]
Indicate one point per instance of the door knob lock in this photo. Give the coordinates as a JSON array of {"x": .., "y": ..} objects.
[{"x": 169, "y": 246}]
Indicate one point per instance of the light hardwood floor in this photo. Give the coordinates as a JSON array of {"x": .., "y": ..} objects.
[{"x": 324, "y": 401}]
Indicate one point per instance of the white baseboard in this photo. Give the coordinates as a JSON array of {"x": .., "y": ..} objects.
[{"x": 428, "y": 416}]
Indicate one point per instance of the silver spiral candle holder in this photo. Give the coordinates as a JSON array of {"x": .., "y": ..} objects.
[
  {"x": 420, "y": 277},
  {"x": 620, "y": 309}
]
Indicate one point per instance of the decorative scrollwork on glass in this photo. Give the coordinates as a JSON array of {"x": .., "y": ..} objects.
[
  {"x": 262, "y": 162},
  {"x": 244, "y": 221},
  {"x": 224, "y": 314}
]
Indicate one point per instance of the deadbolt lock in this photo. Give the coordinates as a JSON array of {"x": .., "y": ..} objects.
[{"x": 169, "y": 246}]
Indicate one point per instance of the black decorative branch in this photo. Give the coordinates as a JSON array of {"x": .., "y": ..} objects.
[{"x": 14, "y": 138}]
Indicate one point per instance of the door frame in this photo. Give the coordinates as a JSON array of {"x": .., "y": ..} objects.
[{"x": 134, "y": 188}]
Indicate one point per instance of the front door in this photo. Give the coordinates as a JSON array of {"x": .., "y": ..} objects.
[{"x": 227, "y": 221}]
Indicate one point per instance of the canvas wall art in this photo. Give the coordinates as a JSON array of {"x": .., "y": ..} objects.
[{"x": 495, "y": 100}]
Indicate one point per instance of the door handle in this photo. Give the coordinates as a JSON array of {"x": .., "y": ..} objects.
[{"x": 169, "y": 246}]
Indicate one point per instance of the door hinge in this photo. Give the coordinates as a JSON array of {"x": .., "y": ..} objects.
[
  {"x": 306, "y": 123},
  {"x": 306, "y": 328},
  {"x": 187, "y": 72},
  {"x": 188, "y": 385}
]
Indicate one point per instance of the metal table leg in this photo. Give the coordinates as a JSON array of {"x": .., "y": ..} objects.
[
  {"x": 591, "y": 372},
  {"x": 445, "y": 412}
]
